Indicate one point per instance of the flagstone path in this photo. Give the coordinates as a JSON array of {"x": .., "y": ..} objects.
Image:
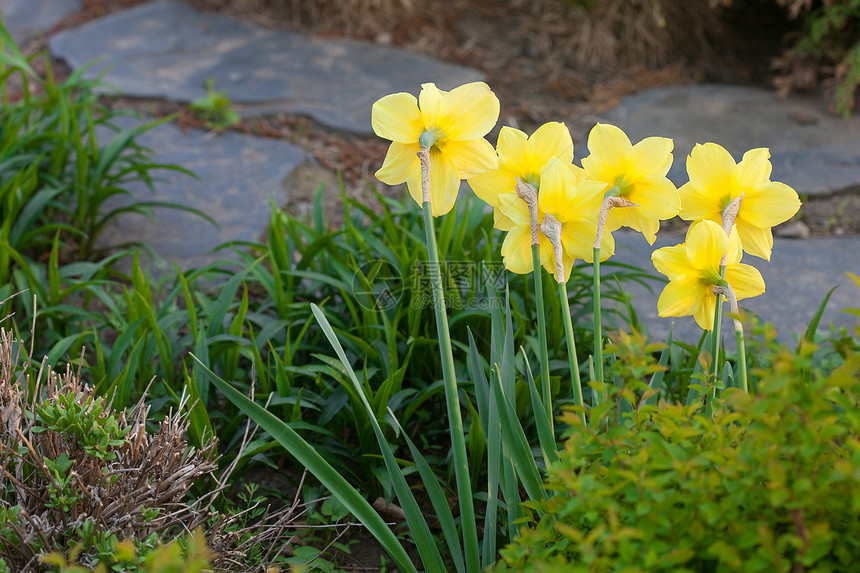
[
  {"x": 28, "y": 18},
  {"x": 166, "y": 49}
]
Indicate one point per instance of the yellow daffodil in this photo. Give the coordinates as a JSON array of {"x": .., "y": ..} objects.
[
  {"x": 693, "y": 269},
  {"x": 716, "y": 180},
  {"x": 452, "y": 124},
  {"x": 576, "y": 211},
  {"x": 521, "y": 157},
  {"x": 633, "y": 172}
]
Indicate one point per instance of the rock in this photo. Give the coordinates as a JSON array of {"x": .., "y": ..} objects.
[
  {"x": 27, "y": 18},
  {"x": 239, "y": 177},
  {"x": 166, "y": 49},
  {"x": 818, "y": 155},
  {"x": 796, "y": 230}
]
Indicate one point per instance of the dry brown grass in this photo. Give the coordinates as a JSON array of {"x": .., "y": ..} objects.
[{"x": 131, "y": 490}]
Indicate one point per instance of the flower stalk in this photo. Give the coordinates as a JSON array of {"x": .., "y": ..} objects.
[
  {"x": 551, "y": 228},
  {"x": 726, "y": 290},
  {"x": 730, "y": 213},
  {"x": 611, "y": 200},
  {"x": 452, "y": 400},
  {"x": 529, "y": 195}
]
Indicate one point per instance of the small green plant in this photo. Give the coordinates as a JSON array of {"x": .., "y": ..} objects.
[
  {"x": 84, "y": 419},
  {"x": 186, "y": 554},
  {"x": 765, "y": 483},
  {"x": 214, "y": 108}
]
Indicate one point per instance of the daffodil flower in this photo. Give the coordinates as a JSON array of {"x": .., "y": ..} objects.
[
  {"x": 716, "y": 180},
  {"x": 693, "y": 269},
  {"x": 636, "y": 173},
  {"x": 451, "y": 124},
  {"x": 521, "y": 157},
  {"x": 559, "y": 197}
]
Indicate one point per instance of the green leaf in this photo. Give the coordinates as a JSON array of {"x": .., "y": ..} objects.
[
  {"x": 321, "y": 469},
  {"x": 418, "y": 527}
]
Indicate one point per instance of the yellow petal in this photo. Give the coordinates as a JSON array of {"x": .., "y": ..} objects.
[
  {"x": 607, "y": 247},
  {"x": 754, "y": 240},
  {"x": 468, "y": 112},
  {"x": 578, "y": 241},
  {"x": 606, "y": 140},
  {"x": 657, "y": 197},
  {"x": 395, "y": 117},
  {"x": 608, "y": 146},
  {"x": 679, "y": 298},
  {"x": 444, "y": 184},
  {"x": 471, "y": 157},
  {"x": 567, "y": 263},
  {"x": 501, "y": 221},
  {"x": 580, "y": 173},
  {"x": 550, "y": 140},
  {"x": 696, "y": 204},
  {"x": 488, "y": 186},
  {"x": 653, "y": 155},
  {"x": 735, "y": 252},
  {"x": 634, "y": 218},
  {"x": 511, "y": 147},
  {"x": 754, "y": 168},
  {"x": 557, "y": 188},
  {"x": 413, "y": 184},
  {"x": 706, "y": 244},
  {"x": 517, "y": 250},
  {"x": 712, "y": 169},
  {"x": 589, "y": 200},
  {"x": 705, "y": 310},
  {"x": 430, "y": 102},
  {"x": 514, "y": 208},
  {"x": 672, "y": 262},
  {"x": 400, "y": 162},
  {"x": 768, "y": 204},
  {"x": 745, "y": 280}
]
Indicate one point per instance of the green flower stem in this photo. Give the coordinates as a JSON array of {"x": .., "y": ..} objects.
[
  {"x": 452, "y": 399},
  {"x": 598, "y": 324},
  {"x": 571, "y": 348},
  {"x": 739, "y": 333},
  {"x": 742, "y": 356},
  {"x": 717, "y": 332},
  {"x": 541, "y": 323}
]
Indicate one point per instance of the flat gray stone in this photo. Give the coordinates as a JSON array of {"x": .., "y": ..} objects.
[
  {"x": 239, "y": 177},
  {"x": 168, "y": 50},
  {"x": 27, "y": 18},
  {"x": 797, "y": 278},
  {"x": 811, "y": 150}
]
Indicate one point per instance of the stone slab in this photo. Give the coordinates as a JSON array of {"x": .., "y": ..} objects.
[
  {"x": 239, "y": 176},
  {"x": 27, "y": 18},
  {"x": 811, "y": 150},
  {"x": 797, "y": 278},
  {"x": 166, "y": 49}
]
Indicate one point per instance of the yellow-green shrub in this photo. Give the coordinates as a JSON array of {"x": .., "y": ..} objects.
[{"x": 765, "y": 482}]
